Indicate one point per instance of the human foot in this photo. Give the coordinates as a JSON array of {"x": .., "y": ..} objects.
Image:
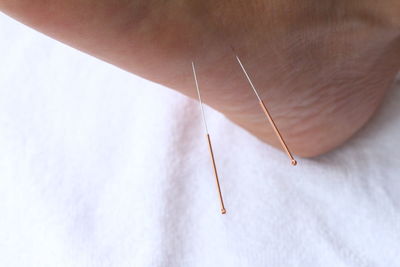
[{"x": 322, "y": 67}]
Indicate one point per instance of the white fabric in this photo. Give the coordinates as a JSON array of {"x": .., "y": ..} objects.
[{"x": 99, "y": 167}]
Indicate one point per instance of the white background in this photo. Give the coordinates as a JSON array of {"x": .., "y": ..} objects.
[{"x": 99, "y": 167}]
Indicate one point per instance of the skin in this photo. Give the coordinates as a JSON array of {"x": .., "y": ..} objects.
[{"x": 321, "y": 66}]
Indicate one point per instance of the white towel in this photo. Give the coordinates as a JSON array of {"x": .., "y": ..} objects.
[{"x": 99, "y": 167}]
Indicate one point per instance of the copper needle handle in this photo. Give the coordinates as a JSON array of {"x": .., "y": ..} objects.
[
  {"x": 223, "y": 210},
  {"x": 271, "y": 121}
]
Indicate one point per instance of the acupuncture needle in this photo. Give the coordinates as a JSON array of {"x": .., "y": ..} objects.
[
  {"x": 271, "y": 121},
  {"x": 223, "y": 210}
]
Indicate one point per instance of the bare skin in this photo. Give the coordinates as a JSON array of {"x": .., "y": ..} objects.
[{"x": 322, "y": 67}]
